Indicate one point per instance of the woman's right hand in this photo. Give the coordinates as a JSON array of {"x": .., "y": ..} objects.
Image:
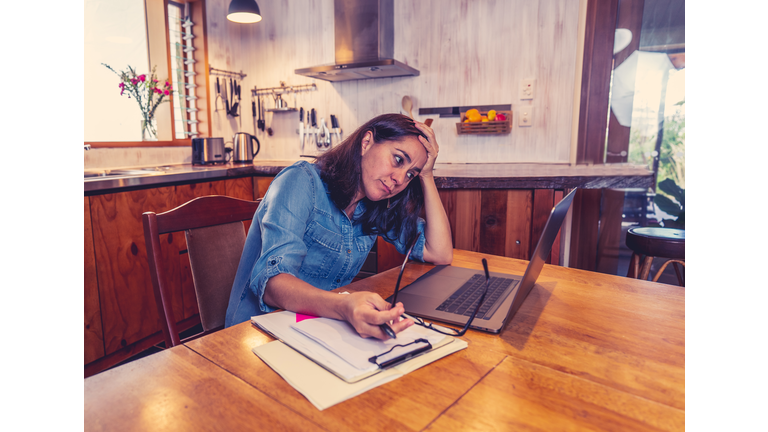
[{"x": 366, "y": 311}]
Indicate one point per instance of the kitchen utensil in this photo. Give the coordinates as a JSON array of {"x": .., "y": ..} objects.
[
  {"x": 260, "y": 123},
  {"x": 209, "y": 151},
  {"x": 253, "y": 112},
  {"x": 224, "y": 98},
  {"x": 335, "y": 128},
  {"x": 235, "y": 103},
  {"x": 243, "y": 147},
  {"x": 269, "y": 129},
  {"x": 313, "y": 115},
  {"x": 301, "y": 127},
  {"x": 218, "y": 96},
  {"x": 325, "y": 134},
  {"x": 408, "y": 105}
]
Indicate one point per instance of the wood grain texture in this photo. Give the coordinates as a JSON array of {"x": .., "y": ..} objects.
[
  {"x": 468, "y": 207},
  {"x": 409, "y": 403},
  {"x": 519, "y": 214},
  {"x": 519, "y": 395},
  {"x": 603, "y": 328},
  {"x": 178, "y": 390},
  {"x": 456, "y": 52},
  {"x": 542, "y": 207},
  {"x": 493, "y": 221},
  {"x": 93, "y": 339}
]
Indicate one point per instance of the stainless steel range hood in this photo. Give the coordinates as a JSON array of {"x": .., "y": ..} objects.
[{"x": 365, "y": 43}]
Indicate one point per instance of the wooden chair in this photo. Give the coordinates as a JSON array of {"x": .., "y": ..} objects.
[
  {"x": 215, "y": 237},
  {"x": 648, "y": 243}
]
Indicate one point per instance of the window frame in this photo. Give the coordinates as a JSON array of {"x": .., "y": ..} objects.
[{"x": 158, "y": 40}]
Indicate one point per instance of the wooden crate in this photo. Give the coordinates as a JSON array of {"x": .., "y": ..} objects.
[{"x": 485, "y": 128}]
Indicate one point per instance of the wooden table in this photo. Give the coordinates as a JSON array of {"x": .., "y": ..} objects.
[{"x": 585, "y": 351}]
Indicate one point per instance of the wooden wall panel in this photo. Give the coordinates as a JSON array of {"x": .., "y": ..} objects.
[
  {"x": 94, "y": 337},
  {"x": 519, "y": 214},
  {"x": 493, "y": 221},
  {"x": 468, "y": 202},
  {"x": 554, "y": 256},
  {"x": 584, "y": 235},
  {"x": 610, "y": 240},
  {"x": 448, "y": 197},
  {"x": 542, "y": 206}
]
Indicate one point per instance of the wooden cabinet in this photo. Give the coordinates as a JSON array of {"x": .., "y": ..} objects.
[
  {"x": 124, "y": 302},
  {"x": 94, "y": 338}
]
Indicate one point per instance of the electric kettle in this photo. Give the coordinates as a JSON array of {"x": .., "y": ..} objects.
[{"x": 243, "y": 147}]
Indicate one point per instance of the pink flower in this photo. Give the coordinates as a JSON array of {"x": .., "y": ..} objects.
[
  {"x": 134, "y": 81},
  {"x": 142, "y": 77},
  {"x": 166, "y": 92},
  {"x": 157, "y": 90}
]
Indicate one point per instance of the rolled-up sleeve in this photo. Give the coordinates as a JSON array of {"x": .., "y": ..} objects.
[{"x": 284, "y": 213}]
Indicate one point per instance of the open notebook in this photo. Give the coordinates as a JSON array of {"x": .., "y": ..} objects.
[{"x": 328, "y": 362}]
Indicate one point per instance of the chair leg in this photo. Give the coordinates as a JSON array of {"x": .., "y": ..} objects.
[{"x": 646, "y": 269}]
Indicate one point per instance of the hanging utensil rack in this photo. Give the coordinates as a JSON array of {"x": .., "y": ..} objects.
[
  {"x": 278, "y": 92},
  {"x": 221, "y": 72}
]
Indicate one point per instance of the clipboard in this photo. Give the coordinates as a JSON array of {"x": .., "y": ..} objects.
[{"x": 282, "y": 326}]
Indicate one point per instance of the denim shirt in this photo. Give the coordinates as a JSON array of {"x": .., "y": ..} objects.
[{"x": 298, "y": 230}]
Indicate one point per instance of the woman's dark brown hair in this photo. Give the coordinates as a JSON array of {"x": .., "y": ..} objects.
[{"x": 340, "y": 170}]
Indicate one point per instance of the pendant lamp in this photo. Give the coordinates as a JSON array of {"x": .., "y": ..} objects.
[{"x": 244, "y": 11}]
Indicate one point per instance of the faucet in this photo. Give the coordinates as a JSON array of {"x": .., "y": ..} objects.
[{"x": 87, "y": 147}]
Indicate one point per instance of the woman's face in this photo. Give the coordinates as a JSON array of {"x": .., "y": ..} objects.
[{"x": 387, "y": 167}]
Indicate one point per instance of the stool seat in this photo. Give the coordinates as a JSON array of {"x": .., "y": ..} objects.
[
  {"x": 650, "y": 242},
  {"x": 657, "y": 242}
]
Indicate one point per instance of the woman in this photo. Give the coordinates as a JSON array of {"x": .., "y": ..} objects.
[{"x": 318, "y": 222}]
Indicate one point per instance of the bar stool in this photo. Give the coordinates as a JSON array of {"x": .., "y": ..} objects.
[{"x": 650, "y": 242}]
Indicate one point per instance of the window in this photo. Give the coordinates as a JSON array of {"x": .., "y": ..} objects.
[
  {"x": 168, "y": 35},
  {"x": 115, "y": 34},
  {"x": 182, "y": 52}
]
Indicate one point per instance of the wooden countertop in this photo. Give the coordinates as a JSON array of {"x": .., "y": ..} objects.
[{"x": 447, "y": 176}]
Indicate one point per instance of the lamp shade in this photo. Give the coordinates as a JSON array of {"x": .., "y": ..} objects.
[{"x": 244, "y": 11}]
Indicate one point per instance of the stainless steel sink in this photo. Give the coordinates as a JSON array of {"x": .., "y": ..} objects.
[{"x": 129, "y": 172}]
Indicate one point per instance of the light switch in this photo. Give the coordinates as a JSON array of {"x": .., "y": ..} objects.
[
  {"x": 527, "y": 87},
  {"x": 525, "y": 118}
]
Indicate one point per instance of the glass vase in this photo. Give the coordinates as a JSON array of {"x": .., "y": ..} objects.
[{"x": 148, "y": 130}]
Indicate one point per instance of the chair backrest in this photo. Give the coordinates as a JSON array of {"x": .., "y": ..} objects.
[{"x": 215, "y": 236}]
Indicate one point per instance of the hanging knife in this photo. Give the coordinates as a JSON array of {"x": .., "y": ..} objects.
[
  {"x": 224, "y": 97},
  {"x": 335, "y": 126},
  {"x": 314, "y": 127},
  {"x": 301, "y": 128}
]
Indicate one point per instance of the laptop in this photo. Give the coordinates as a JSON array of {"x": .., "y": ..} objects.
[{"x": 450, "y": 294}]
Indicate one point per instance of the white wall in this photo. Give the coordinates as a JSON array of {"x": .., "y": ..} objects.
[{"x": 468, "y": 52}]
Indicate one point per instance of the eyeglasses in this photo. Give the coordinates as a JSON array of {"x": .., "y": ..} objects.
[{"x": 443, "y": 330}]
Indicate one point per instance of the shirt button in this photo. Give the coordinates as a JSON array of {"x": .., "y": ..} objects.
[
  {"x": 349, "y": 251},
  {"x": 338, "y": 280},
  {"x": 273, "y": 262}
]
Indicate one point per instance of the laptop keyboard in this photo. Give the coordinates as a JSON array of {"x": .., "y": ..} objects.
[{"x": 464, "y": 300}]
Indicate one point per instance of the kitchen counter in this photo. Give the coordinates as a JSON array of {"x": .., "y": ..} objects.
[{"x": 447, "y": 175}]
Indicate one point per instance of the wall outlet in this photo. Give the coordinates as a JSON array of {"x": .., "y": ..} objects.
[
  {"x": 527, "y": 87},
  {"x": 525, "y": 116}
]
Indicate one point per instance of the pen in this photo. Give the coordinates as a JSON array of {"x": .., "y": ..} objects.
[{"x": 388, "y": 330}]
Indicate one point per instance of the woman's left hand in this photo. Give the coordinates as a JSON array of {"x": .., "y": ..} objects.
[{"x": 430, "y": 144}]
